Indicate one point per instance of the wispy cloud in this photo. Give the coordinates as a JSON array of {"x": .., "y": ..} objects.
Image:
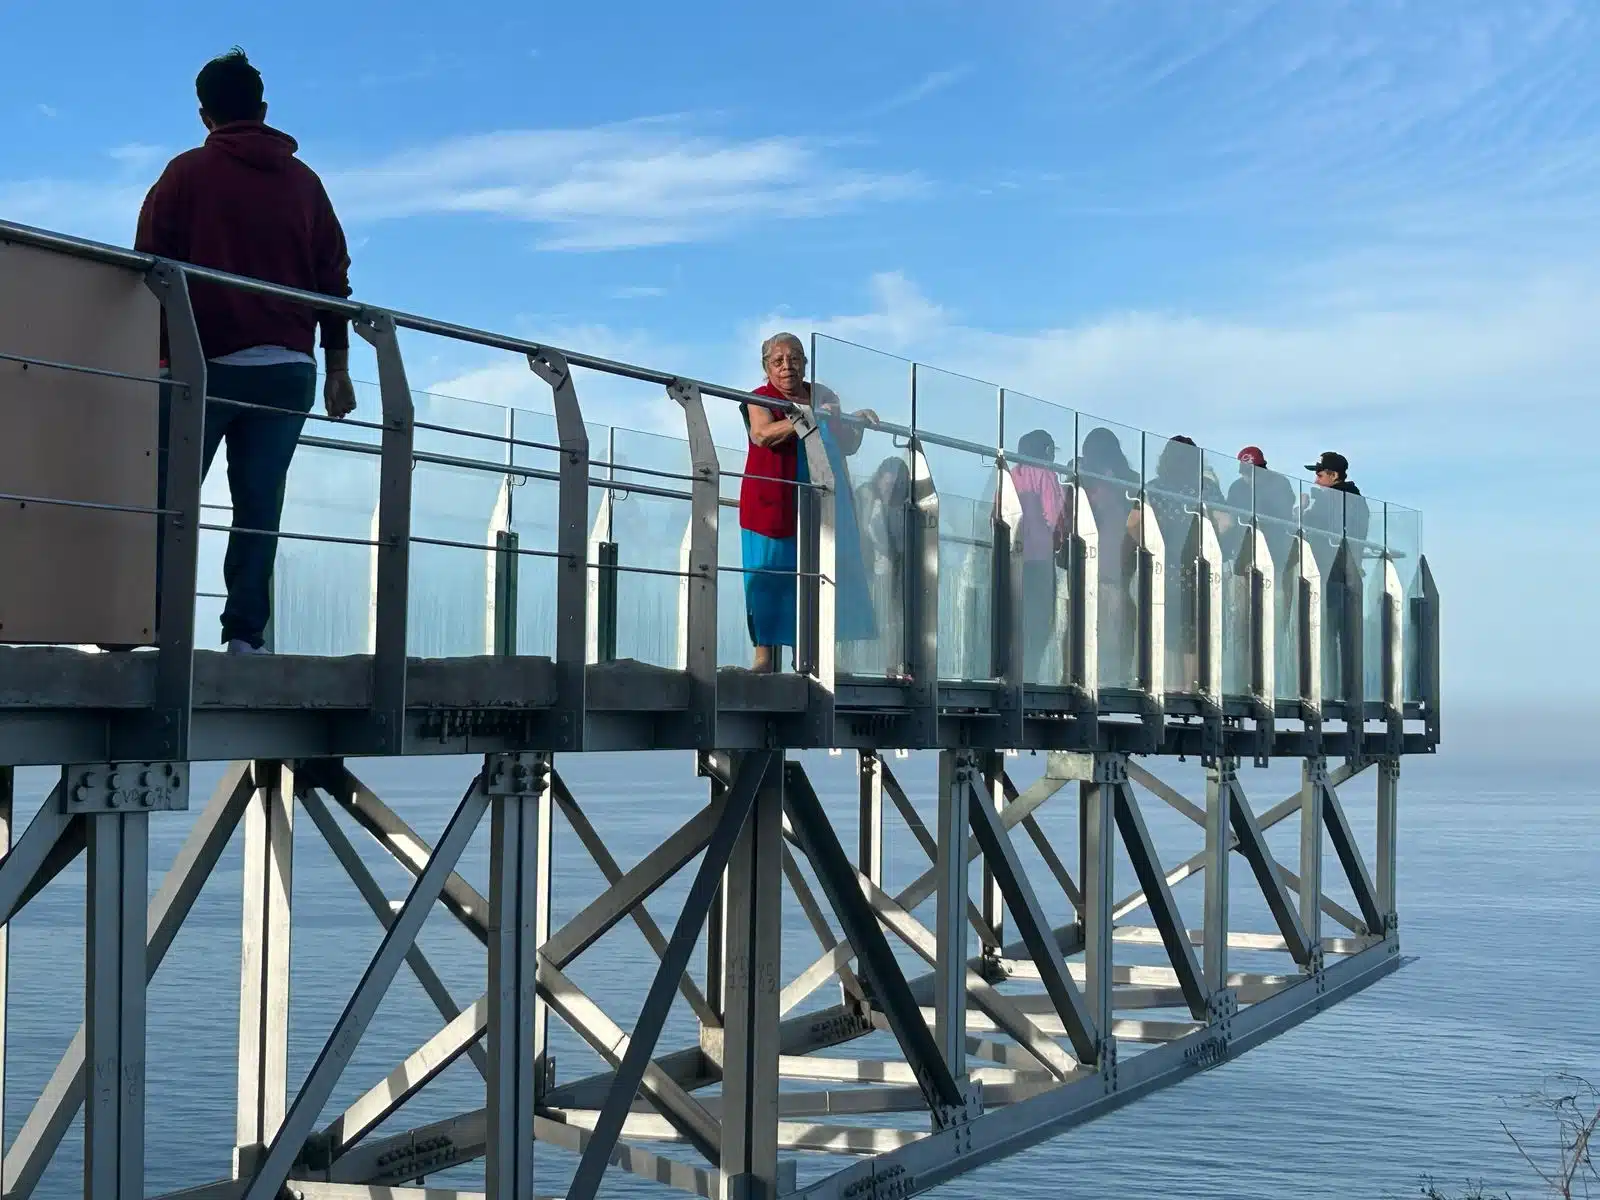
[
  {"x": 46, "y": 110},
  {"x": 637, "y": 292},
  {"x": 928, "y": 85},
  {"x": 644, "y": 183}
]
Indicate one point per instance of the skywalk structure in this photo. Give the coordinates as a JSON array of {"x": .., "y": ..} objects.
[{"x": 525, "y": 588}]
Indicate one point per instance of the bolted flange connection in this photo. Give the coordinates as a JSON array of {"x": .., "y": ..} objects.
[
  {"x": 517, "y": 774},
  {"x": 125, "y": 787}
]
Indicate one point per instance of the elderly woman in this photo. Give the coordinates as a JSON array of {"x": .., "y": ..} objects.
[{"x": 774, "y": 468}]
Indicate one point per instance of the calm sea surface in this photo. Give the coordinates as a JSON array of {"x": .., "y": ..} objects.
[{"x": 1499, "y": 907}]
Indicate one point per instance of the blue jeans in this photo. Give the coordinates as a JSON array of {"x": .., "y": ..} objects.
[{"x": 260, "y": 449}]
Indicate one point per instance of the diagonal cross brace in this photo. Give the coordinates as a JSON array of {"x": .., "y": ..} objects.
[
  {"x": 839, "y": 882},
  {"x": 740, "y": 799},
  {"x": 1253, "y": 845},
  {"x": 1337, "y": 827},
  {"x": 1174, "y": 936},
  {"x": 1008, "y": 872},
  {"x": 273, "y": 1169}
]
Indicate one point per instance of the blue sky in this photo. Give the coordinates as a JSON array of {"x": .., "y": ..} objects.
[{"x": 1365, "y": 225}]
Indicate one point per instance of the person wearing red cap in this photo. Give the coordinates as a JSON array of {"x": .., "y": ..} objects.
[{"x": 1270, "y": 500}]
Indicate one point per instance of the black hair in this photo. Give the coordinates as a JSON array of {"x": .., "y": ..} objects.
[
  {"x": 229, "y": 88},
  {"x": 1038, "y": 444}
]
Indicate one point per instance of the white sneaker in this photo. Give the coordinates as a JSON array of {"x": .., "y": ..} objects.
[{"x": 240, "y": 646}]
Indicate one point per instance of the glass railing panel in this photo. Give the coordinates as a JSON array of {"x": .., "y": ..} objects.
[
  {"x": 872, "y": 564},
  {"x": 1322, "y": 521},
  {"x": 733, "y": 630},
  {"x": 1040, "y": 443},
  {"x": 958, "y": 427},
  {"x": 323, "y": 590},
  {"x": 650, "y": 525},
  {"x": 1110, "y": 474},
  {"x": 459, "y": 501},
  {"x": 1402, "y": 539},
  {"x": 532, "y": 516},
  {"x": 1364, "y": 532},
  {"x": 1173, "y": 488},
  {"x": 1228, "y": 486},
  {"x": 1277, "y": 514}
]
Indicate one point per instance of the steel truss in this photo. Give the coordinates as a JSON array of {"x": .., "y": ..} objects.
[{"x": 999, "y": 1043}]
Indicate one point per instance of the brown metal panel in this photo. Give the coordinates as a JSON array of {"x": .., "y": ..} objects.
[{"x": 76, "y": 575}]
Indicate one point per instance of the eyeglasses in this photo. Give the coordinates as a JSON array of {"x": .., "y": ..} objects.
[{"x": 788, "y": 360}]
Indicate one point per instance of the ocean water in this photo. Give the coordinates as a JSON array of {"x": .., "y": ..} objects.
[{"x": 1499, "y": 910}]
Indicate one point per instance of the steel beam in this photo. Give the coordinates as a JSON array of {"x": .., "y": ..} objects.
[
  {"x": 891, "y": 993},
  {"x": 1388, "y": 803},
  {"x": 7, "y": 800},
  {"x": 114, "y": 1003},
  {"x": 378, "y": 901},
  {"x": 1253, "y": 845},
  {"x": 957, "y": 769},
  {"x": 869, "y": 857},
  {"x": 590, "y": 1022},
  {"x": 58, "y": 1104},
  {"x": 1097, "y": 824},
  {"x": 994, "y": 788},
  {"x": 635, "y": 886},
  {"x": 1313, "y": 772},
  {"x": 420, "y": 1068},
  {"x": 1012, "y": 880},
  {"x": 580, "y": 824},
  {"x": 1219, "y": 844},
  {"x": 519, "y": 866},
  {"x": 390, "y": 831},
  {"x": 750, "y": 772},
  {"x": 1163, "y": 908},
  {"x": 754, "y": 936},
  {"x": 25, "y": 862},
  {"x": 276, "y": 1163},
  {"x": 1343, "y": 837},
  {"x": 268, "y": 874}
]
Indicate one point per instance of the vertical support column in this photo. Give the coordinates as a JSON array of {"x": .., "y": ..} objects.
[
  {"x": 994, "y": 909},
  {"x": 165, "y": 724},
  {"x": 922, "y": 593},
  {"x": 518, "y": 786},
  {"x": 1097, "y": 817},
  {"x": 1388, "y": 800},
  {"x": 870, "y": 856},
  {"x": 7, "y": 798},
  {"x": 264, "y": 964},
  {"x": 1313, "y": 778},
  {"x": 114, "y": 1004},
  {"x": 1220, "y": 782},
  {"x": 698, "y": 653},
  {"x": 753, "y": 888},
  {"x": 572, "y": 543},
  {"x": 391, "y": 593},
  {"x": 956, "y": 771}
]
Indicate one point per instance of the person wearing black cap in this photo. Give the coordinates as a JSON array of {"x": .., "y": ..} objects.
[{"x": 1335, "y": 509}]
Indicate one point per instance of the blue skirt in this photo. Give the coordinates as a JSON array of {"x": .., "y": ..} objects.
[{"x": 769, "y": 587}]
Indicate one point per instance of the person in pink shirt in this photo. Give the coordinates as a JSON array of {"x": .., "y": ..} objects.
[{"x": 1043, "y": 533}]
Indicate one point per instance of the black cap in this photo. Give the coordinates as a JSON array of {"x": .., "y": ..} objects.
[{"x": 1330, "y": 461}]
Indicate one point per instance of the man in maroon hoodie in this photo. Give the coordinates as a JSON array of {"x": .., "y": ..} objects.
[{"x": 243, "y": 203}]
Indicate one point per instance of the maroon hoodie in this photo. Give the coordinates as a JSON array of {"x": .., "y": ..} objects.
[{"x": 244, "y": 203}]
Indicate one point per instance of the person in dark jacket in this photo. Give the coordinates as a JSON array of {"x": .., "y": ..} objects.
[
  {"x": 1265, "y": 499},
  {"x": 243, "y": 203},
  {"x": 1334, "y": 510}
]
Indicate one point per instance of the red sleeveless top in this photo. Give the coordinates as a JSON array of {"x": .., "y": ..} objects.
[{"x": 767, "y": 506}]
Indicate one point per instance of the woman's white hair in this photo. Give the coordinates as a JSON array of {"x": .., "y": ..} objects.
[{"x": 780, "y": 339}]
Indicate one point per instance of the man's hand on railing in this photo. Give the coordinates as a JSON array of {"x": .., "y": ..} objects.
[{"x": 339, "y": 394}]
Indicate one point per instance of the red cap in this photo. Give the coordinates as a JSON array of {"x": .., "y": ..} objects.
[{"x": 1253, "y": 456}]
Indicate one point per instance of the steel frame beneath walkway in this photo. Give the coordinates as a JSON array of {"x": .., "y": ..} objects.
[{"x": 1014, "y": 1031}]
